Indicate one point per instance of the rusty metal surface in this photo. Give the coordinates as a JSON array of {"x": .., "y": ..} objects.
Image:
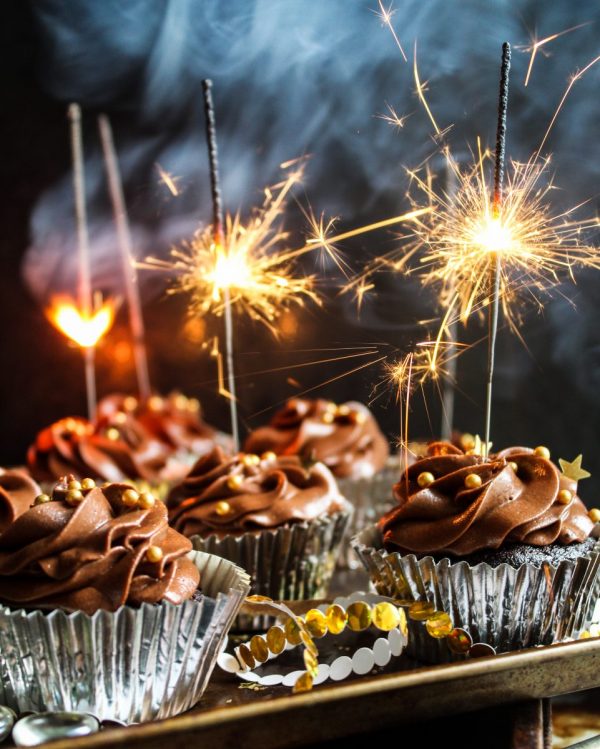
[{"x": 336, "y": 710}]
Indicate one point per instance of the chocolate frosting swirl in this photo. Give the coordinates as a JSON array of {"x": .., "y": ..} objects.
[
  {"x": 521, "y": 506},
  {"x": 93, "y": 556},
  {"x": 17, "y": 493},
  {"x": 107, "y": 451},
  {"x": 346, "y": 438},
  {"x": 231, "y": 495}
]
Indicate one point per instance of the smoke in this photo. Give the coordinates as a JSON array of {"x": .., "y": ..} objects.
[{"x": 291, "y": 77}]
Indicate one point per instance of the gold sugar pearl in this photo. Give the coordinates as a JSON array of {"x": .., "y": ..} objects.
[
  {"x": 343, "y": 410},
  {"x": 235, "y": 481},
  {"x": 113, "y": 434},
  {"x": 250, "y": 460},
  {"x": 337, "y": 619},
  {"x": 41, "y": 499},
  {"x": 358, "y": 417},
  {"x": 459, "y": 641},
  {"x": 564, "y": 496},
  {"x": 269, "y": 456},
  {"x": 292, "y": 632},
  {"x": 473, "y": 481},
  {"x": 193, "y": 404},
  {"x": 316, "y": 623},
  {"x": 120, "y": 417},
  {"x": 222, "y": 508},
  {"x": 156, "y": 403},
  {"x": 154, "y": 554},
  {"x": 467, "y": 441},
  {"x": 385, "y": 616},
  {"x": 259, "y": 649},
  {"x": 420, "y": 611},
  {"x": 130, "y": 498},
  {"x": 74, "y": 485},
  {"x": 246, "y": 656},
  {"x": 594, "y": 515},
  {"x": 88, "y": 484},
  {"x": 276, "y": 640},
  {"x": 303, "y": 683},
  {"x": 328, "y": 417},
  {"x": 439, "y": 625},
  {"x": 181, "y": 402},
  {"x": 331, "y": 407},
  {"x": 130, "y": 403},
  {"x": 513, "y": 465},
  {"x": 146, "y": 501},
  {"x": 542, "y": 452},
  {"x": 74, "y": 497},
  {"x": 425, "y": 479},
  {"x": 311, "y": 663},
  {"x": 359, "y": 616}
]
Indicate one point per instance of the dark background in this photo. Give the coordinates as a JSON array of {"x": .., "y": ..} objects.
[{"x": 291, "y": 77}]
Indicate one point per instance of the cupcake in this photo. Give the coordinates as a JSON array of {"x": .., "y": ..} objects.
[
  {"x": 347, "y": 439},
  {"x": 105, "y": 608},
  {"x": 276, "y": 517},
  {"x": 502, "y": 544}
]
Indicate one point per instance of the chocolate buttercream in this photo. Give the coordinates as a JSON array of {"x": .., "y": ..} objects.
[
  {"x": 346, "y": 438},
  {"x": 93, "y": 555},
  {"x": 521, "y": 506},
  {"x": 17, "y": 493},
  {"x": 231, "y": 495}
]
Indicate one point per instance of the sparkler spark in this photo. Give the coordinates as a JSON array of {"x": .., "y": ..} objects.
[
  {"x": 536, "y": 46},
  {"x": 393, "y": 118},
  {"x": 168, "y": 180},
  {"x": 386, "y": 14}
]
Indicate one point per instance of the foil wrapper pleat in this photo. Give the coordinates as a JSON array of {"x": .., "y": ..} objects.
[
  {"x": 506, "y": 607},
  {"x": 292, "y": 562},
  {"x": 371, "y": 498},
  {"x": 131, "y": 665}
]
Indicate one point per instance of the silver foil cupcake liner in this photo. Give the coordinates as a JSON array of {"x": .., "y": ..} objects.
[
  {"x": 371, "y": 498},
  {"x": 131, "y": 665},
  {"x": 504, "y": 607},
  {"x": 292, "y": 562}
]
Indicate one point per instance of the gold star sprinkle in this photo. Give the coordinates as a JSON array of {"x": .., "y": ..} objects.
[
  {"x": 479, "y": 447},
  {"x": 573, "y": 470}
]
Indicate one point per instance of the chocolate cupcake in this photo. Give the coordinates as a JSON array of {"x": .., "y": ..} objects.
[
  {"x": 278, "y": 518},
  {"x": 102, "y": 599},
  {"x": 502, "y": 544}
]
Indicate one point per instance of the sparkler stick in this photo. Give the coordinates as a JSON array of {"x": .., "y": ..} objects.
[
  {"x": 449, "y": 382},
  {"x": 136, "y": 320},
  {"x": 218, "y": 238},
  {"x": 84, "y": 290},
  {"x": 496, "y": 266}
]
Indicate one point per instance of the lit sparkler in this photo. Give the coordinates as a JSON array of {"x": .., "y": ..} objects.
[{"x": 84, "y": 330}]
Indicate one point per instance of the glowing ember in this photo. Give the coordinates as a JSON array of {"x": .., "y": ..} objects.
[{"x": 85, "y": 331}]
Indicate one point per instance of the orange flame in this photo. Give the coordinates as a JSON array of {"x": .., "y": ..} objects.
[{"x": 85, "y": 330}]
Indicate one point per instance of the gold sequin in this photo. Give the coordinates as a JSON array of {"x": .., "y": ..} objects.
[
  {"x": 337, "y": 619},
  {"x": 259, "y": 599},
  {"x": 316, "y": 623},
  {"x": 481, "y": 650},
  {"x": 359, "y": 616},
  {"x": 439, "y": 625},
  {"x": 420, "y": 611},
  {"x": 385, "y": 616},
  {"x": 276, "y": 640},
  {"x": 259, "y": 649},
  {"x": 292, "y": 632},
  {"x": 308, "y": 643},
  {"x": 459, "y": 640},
  {"x": 311, "y": 663},
  {"x": 403, "y": 623},
  {"x": 246, "y": 656},
  {"x": 303, "y": 683}
]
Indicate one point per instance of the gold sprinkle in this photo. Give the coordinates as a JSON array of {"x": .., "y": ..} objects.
[
  {"x": 154, "y": 554},
  {"x": 246, "y": 656},
  {"x": 146, "y": 501},
  {"x": 276, "y": 640},
  {"x": 88, "y": 484},
  {"x": 386, "y": 616},
  {"x": 303, "y": 683},
  {"x": 337, "y": 619},
  {"x": 250, "y": 460},
  {"x": 316, "y": 623},
  {"x": 513, "y": 465},
  {"x": 292, "y": 632},
  {"x": 542, "y": 452},
  {"x": 425, "y": 479},
  {"x": 41, "y": 499},
  {"x": 594, "y": 515},
  {"x": 459, "y": 640},
  {"x": 130, "y": 497},
  {"x": 269, "y": 456},
  {"x": 74, "y": 485},
  {"x": 311, "y": 663},
  {"x": 564, "y": 496},
  {"x": 420, "y": 611},
  {"x": 439, "y": 625},
  {"x": 473, "y": 481},
  {"x": 359, "y": 616},
  {"x": 259, "y": 649},
  {"x": 113, "y": 434},
  {"x": 235, "y": 481},
  {"x": 74, "y": 497},
  {"x": 222, "y": 508}
]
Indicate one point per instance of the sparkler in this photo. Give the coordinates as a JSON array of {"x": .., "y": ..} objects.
[{"x": 130, "y": 276}]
